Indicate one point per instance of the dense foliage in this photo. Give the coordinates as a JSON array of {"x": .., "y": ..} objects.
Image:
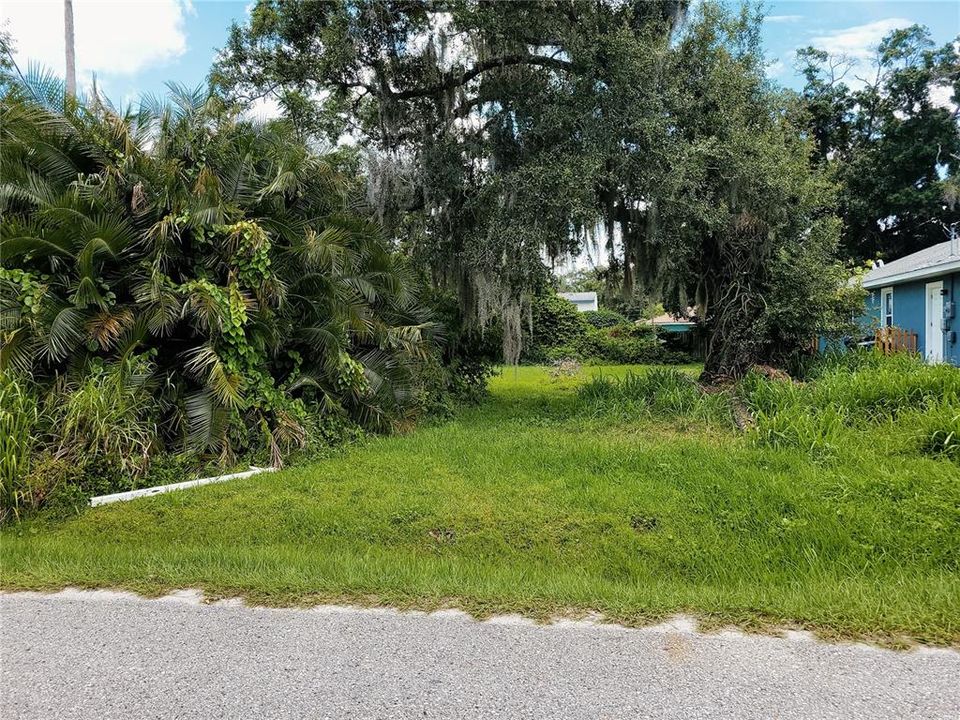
[
  {"x": 176, "y": 278},
  {"x": 560, "y": 332},
  {"x": 483, "y": 159}
]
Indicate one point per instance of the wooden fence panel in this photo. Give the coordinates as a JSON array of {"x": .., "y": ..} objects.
[{"x": 894, "y": 339}]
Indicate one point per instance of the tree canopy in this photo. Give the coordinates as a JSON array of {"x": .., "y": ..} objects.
[
  {"x": 891, "y": 139},
  {"x": 499, "y": 136}
]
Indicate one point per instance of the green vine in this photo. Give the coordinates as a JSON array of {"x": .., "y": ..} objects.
[
  {"x": 29, "y": 289},
  {"x": 252, "y": 256}
]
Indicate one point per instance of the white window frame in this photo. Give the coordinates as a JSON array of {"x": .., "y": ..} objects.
[{"x": 886, "y": 319}]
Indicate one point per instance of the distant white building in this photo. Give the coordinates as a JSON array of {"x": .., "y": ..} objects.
[{"x": 585, "y": 301}]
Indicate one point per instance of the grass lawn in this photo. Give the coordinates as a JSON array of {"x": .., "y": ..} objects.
[{"x": 530, "y": 503}]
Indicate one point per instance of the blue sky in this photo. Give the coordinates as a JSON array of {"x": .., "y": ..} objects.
[
  {"x": 135, "y": 46},
  {"x": 850, "y": 27}
]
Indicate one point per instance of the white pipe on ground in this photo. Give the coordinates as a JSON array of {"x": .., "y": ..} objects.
[{"x": 160, "y": 489}]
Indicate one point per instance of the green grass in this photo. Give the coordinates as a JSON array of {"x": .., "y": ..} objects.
[{"x": 542, "y": 502}]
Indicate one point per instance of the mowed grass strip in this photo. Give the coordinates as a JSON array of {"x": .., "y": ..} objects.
[{"x": 529, "y": 503}]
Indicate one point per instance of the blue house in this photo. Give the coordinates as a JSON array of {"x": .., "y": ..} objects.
[{"x": 918, "y": 293}]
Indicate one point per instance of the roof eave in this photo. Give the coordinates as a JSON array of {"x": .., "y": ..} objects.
[{"x": 916, "y": 274}]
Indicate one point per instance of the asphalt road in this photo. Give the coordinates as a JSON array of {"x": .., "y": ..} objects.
[{"x": 108, "y": 655}]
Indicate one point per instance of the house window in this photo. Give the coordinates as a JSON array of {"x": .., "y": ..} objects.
[{"x": 886, "y": 307}]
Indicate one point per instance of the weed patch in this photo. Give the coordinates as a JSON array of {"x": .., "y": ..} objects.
[
  {"x": 849, "y": 395},
  {"x": 659, "y": 391}
]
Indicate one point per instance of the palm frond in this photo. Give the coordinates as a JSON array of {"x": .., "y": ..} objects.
[
  {"x": 65, "y": 334},
  {"x": 207, "y": 424},
  {"x": 226, "y": 387}
]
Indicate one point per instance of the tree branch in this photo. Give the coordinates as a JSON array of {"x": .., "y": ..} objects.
[{"x": 452, "y": 81}]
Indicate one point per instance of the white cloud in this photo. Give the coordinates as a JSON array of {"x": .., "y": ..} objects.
[
  {"x": 112, "y": 38},
  {"x": 264, "y": 108},
  {"x": 776, "y": 68},
  {"x": 940, "y": 96},
  {"x": 858, "y": 42},
  {"x": 783, "y": 18}
]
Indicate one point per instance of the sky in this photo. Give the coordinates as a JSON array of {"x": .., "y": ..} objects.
[{"x": 136, "y": 46}]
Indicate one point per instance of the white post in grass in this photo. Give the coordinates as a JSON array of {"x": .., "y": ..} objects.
[{"x": 160, "y": 489}]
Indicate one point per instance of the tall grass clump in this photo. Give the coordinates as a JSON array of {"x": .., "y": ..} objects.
[
  {"x": 786, "y": 416},
  {"x": 815, "y": 430},
  {"x": 19, "y": 413},
  {"x": 879, "y": 392},
  {"x": 816, "y": 366},
  {"x": 659, "y": 391},
  {"x": 936, "y": 429},
  {"x": 109, "y": 415},
  {"x": 855, "y": 391}
]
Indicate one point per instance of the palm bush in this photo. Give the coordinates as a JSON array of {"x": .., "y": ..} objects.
[{"x": 193, "y": 278}]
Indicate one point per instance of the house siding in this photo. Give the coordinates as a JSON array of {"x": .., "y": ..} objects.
[{"x": 909, "y": 311}]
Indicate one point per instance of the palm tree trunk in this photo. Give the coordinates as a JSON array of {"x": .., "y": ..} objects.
[{"x": 70, "y": 50}]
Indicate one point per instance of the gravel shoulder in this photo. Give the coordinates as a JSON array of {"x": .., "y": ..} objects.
[{"x": 84, "y": 654}]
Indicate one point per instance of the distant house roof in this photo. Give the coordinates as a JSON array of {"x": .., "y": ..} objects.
[
  {"x": 676, "y": 322},
  {"x": 578, "y": 297},
  {"x": 671, "y": 319},
  {"x": 935, "y": 260},
  {"x": 585, "y": 301}
]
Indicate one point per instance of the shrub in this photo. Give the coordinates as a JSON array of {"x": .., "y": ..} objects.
[
  {"x": 459, "y": 367},
  {"x": 443, "y": 386},
  {"x": 467, "y": 378},
  {"x": 60, "y": 486},
  {"x": 628, "y": 345},
  {"x": 604, "y": 318},
  {"x": 327, "y": 434},
  {"x": 168, "y": 468},
  {"x": 58, "y": 482},
  {"x": 556, "y": 324},
  {"x": 250, "y": 300},
  {"x": 562, "y": 352}
]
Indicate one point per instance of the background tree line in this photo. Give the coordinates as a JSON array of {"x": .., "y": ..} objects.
[{"x": 890, "y": 139}]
